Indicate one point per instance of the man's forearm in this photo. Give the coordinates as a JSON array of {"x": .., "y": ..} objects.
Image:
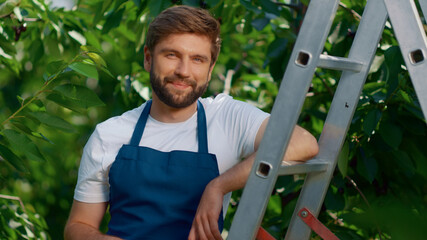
[
  {"x": 235, "y": 178},
  {"x": 303, "y": 146},
  {"x": 81, "y": 231}
]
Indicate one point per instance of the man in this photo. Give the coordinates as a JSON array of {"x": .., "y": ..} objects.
[{"x": 167, "y": 168}]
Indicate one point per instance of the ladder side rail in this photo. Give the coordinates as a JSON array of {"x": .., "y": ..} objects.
[
  {"x": 284, "y": 116},
  {"x": 412, "y": 39},
  {"x": 339, "y": 117},
  {"x": 423, "y": 5}
]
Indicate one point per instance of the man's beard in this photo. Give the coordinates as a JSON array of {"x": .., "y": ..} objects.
[{"x": 176, "y": 100}]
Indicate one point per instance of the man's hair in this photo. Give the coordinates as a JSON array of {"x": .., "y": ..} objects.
[{"x": 185, "y": 19}]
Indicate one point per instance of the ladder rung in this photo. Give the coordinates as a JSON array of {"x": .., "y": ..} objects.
[
  {"x": 295, "y": 167},
  {"x": 339, "y": 63}
]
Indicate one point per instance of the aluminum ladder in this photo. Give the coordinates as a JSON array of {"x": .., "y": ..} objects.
[{"x": 305, "y": 58}]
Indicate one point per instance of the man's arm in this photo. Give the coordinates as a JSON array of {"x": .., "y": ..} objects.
[
  {"x": 302, "y": 146},
  {"x": 84, "y": 221}
]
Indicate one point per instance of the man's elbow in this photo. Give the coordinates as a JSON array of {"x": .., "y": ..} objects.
[
  {"x": 313, "y": 148},
  {"x": 310, "y": 148}
]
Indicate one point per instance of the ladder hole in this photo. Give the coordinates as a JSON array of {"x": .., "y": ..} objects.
[
  {"x": 263, "y": 169},
  {"x": 303, "y": 59},
  {"x": 416, "y": 56}
]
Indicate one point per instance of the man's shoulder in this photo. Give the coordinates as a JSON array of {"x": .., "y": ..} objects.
[
  {"x": 216, "y": 100},
  {"x": 220, "y": 102},
  {"x": 121, "y": 123},
  {"x": 226, "y": 103}
]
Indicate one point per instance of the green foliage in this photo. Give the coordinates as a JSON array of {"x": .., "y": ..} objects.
[
  {"x": 62, "y": 71},
  {"x": 20, "y": 223}
]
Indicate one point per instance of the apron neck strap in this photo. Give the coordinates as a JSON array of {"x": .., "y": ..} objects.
[
  {"x": 201, "y": 127},
  {"x": 202, "y": 132},
  {"x": 140, "y": 125}
]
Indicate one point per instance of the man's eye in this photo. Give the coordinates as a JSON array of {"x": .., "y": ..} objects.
[
  {"x": 170, "y": 55},
  {"x": 197, "y": 59}
]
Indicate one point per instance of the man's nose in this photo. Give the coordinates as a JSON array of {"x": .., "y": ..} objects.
[{"x": 183, "y": 68}]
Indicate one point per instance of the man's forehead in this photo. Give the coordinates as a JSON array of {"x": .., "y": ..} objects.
[{"x": 188, "y": 41}]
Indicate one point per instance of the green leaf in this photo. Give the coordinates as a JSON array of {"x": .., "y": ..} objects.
[
  {"x": 405, "y": 97},
  {"x": 23, "y": 144},
  {"x": 36, "y": 106},
  {"x": 78, "y": 37},
  {"x": 248, "y": 5},
  {"x": 277, "y": 47},
  {"x": 372, "y": 87},
  {"x": 75, "y": 97},
  {"x": 367, "y": 167},
  {"x": 53, "y": 121},
  {"x": 113, "y": 20},
  {"x": 393, "y": 61},
  {"x": 21, "y": 127},
  {"x": 41, "y": 136},
  {"x": 371, "y": 121},
  {"x": 107, "y": 72},
  {"x": 157, "y": 6},
  {"x": 334, "y": 200},
  {"x": 97, "y": 59},
  {"x": 260, "y": 23},
  {"x": 343, "y": 159},
  {"x": 415, "y": 149},
  {"x": 404, "y": 162},
  {"x": 274, "y": 206},
  {"x": 54, "y": 67},
  {"x": 4, "y": 54},
  {"x": 87, "y": 48},
  {"x": 137, "y": 3},
  {"x": 101, "y": 7},
  {"x": 7, "y": 7},
  {"x": 391, "y": 133},
  {"x": 213, "y": 3},
  {"x": 270, "y": 7},
  {"x": 247, "y": 29},
  {"x": 17, "y": 12},
  {"x": 194, "y": 3},
  {"x": 11, "y": 158},
  {"x": 84, "y": 69},
  {"x": 92, "y": 40}
]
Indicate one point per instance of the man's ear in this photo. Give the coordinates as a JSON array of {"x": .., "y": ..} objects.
[
  {"x": 210, "y": 70},
  {"x": 148, "y": 58}
]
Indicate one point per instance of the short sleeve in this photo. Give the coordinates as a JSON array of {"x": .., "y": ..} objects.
[
  {"x": 92, "y": 183},
  {"x": 242, "y": 122},
  {"x": 250, "y": 119}
]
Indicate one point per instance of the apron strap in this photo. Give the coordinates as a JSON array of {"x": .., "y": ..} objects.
[
  {"x": 202, "y": 132},
  {"x": 201, "y": 127},
  {"x": 140, "y": 125}
]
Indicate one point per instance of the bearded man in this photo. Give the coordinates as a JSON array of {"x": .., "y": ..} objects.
[{"x": 166, "y": 169}]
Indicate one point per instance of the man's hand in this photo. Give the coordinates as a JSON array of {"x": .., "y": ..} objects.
[{"x": 205, "y": 223}]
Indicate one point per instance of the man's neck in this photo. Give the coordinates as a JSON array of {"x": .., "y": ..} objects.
[{"x": 164, "y": 113}]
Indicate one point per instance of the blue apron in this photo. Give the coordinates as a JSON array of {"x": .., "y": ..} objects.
[{"x": 155, "y": 195}]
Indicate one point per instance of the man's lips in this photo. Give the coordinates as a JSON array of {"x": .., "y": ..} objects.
[{"x": 181, "y": 83}]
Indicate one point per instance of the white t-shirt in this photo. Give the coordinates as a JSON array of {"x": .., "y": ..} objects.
[{"x": 231, "y": 128}]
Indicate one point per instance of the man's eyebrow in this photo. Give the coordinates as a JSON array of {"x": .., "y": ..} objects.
[
  {"x": 163, "y": 50},
  {"x": 166, "y": 50}
]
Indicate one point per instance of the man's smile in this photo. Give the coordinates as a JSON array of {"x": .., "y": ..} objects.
[{"x": 180, "y": 83}]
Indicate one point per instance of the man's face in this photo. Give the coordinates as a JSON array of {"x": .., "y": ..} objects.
[{"x": 180, "y": 68}]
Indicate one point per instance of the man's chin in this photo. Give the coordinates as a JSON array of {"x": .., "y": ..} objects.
[{"x": 177, "y": 102}]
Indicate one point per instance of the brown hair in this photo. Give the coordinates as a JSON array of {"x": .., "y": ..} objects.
[{"x": 185, "y": 19}]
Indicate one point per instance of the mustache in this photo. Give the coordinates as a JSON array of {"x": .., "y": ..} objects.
[{"x": 187, "y": 81}]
